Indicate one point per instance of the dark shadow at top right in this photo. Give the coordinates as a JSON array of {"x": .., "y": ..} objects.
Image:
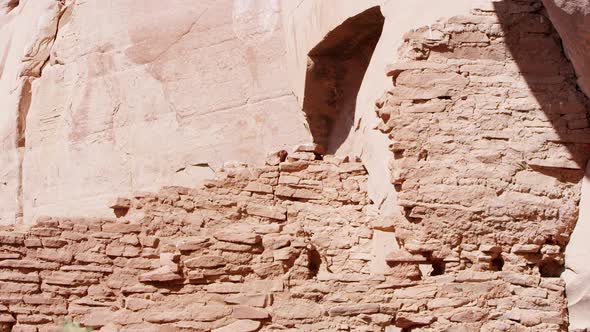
[{"x": 535, "y": 46}]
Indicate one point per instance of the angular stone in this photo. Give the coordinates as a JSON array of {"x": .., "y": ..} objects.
[
  {"x": 162, "y": 274},
  {"x": 490, "y": 248},
  {"x": 401, "y": 256},
  {"x": 45, "y": 232},
  {"x": 40, "y": 300},
  {"x": 24, "y": 328},
  {"x": 272, "y": 212},
  {"x": 206, "y": 261},
  {"x": 418, "y": 292},
  {"x": 137, "y": 304},
  {"x": 224, "y": 288},
  {"x": 118, "y": 249},
  {"x": 310, "y": 147},
  {"x": 263, "y": 286},
  {"x": 11, "y": 238},
  {"x": 441, "y": 302},
  {"x": 9, "y": 255},
  {"x": 17, "y": 287},
  {"x": 7, "y": 318},
  {"x": 298, "y": 310},
  {"x": 33, "y": 243},
  {"x": 294, "y": 156},
  {"x": 148, "y": 241},
  {"x": 530, "y": 292},
  {"x": 52, "y": 255},
  {"x": 28, "y": 264},
  {"x": 468, "y": 315},
  {"x": 91, "y": 257},
  {"x": 300, "y": 193},
  {"x": 471, "y": 37},
  {"x": 139, "y": 288},
  {"x": 71, "y": 279},
  {"x": 253, "y": 300},
  {"x": 526, "y": 248},
  {"x": 54, "y": 243},
  {"x": 352, "y": 168},
  {"x": 246, "y": 312},
  {"x": 238, "y": 237},
  {"x": 130, "y": 239},
  {"x": 283, "y": 254},
  {"x": 167, "y": 316},
  {"x": 354, "y": 309},
  {"x": 407, "y": 320},
  {"x": 20, "y": 277},
  {"x": 293, "y": 166},
  {"x": 257, "y": 187},
  {"x": 519, "y": 279},
  {"x": 121, "y": 228},
  {"x": 120, "y": 203},
  {"x": 73, "y": 236},
  {"x": 87, "y": 268},
  {"x": 275, "y": 158},
  {"x": 193, "y": 243},
  {"x": 34, "y": 319},
  {"x": 232, "y": 247},
  {"x": 240, "y": 325},
  {"x": 208, "y": 313},
  {"x": 471, "y": 276}
]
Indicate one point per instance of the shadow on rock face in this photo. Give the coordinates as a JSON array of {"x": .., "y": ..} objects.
[
  {"x": 535, "y": 47},
  {"x": 336, "y": 68},
  {"x": 489, "y": 137}
]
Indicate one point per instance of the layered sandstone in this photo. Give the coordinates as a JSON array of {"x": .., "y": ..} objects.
[{"x": 99, "y": 101}]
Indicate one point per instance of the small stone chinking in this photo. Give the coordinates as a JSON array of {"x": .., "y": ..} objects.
[{"x": 283, "y": 247}]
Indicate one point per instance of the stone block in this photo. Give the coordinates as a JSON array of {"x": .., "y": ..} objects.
[
  {"x": 253, "y": 300},
  {"x": 206, "y": 262},
  {"x": 272, "y": 212},
  {"x": 162, "y": 274},
  {"x": 243, "y": 325},
  {"x": 354, "y": 309},
  {"x": 238, "y": 236},
  {"x": 247, "y": 312},
  {"x": 408, "y": 320},
  {"x": 257, "y": 187}
]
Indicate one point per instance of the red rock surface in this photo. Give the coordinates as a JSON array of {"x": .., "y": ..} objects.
[
  {"x": 202, "y": 259},
  {"x": 483, "y": 207}
]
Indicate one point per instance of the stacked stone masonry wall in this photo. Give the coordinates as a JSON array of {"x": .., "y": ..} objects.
[
  {"x": 489, "y": 140},
  {"x": 486, "y": 156},
  {"x": 285, "y": 247}
]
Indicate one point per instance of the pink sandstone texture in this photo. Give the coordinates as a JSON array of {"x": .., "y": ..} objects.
[
  {"x": 456, "y": 200},
  {"x": 572, "y": 18},
  {"x": 287, "y": 246}
]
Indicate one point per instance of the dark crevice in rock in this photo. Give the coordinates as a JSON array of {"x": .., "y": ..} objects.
[{"x": 336, "y": 69}]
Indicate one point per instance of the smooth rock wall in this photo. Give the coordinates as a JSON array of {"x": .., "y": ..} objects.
[{"x": 118, "y": 103}]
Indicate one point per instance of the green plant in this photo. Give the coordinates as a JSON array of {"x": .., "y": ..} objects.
[{"x": 74, "y": 327}]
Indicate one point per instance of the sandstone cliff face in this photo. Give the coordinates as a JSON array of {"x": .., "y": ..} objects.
[
  {"x": 461, "y": 200},
  {"x": 114, "y": 103}
]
